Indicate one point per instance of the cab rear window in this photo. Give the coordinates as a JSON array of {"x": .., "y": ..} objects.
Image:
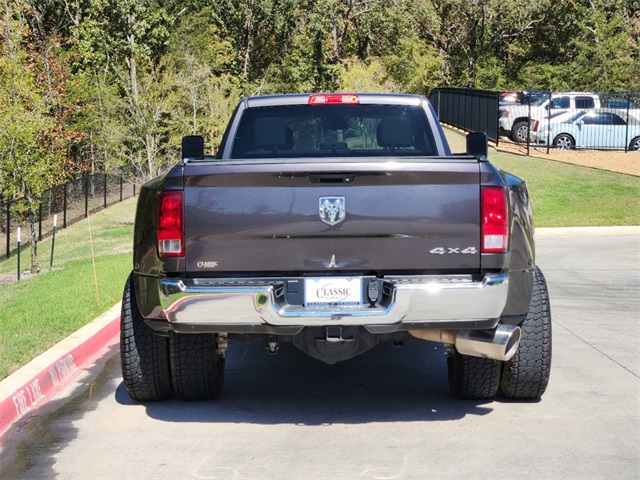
[{"x": 300, "y": 131}]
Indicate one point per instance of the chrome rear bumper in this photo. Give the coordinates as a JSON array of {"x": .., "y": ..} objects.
[{"x": 411, "y": 302}]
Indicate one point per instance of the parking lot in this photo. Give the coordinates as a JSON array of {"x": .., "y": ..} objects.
[{"x": 387, "y": 414}]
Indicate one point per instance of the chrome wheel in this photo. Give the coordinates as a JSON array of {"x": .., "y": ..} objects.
[
  {"x": 563, "y": 141},
  {"x": 520, "y": 131},
  {"x": 634, "y": 146}
]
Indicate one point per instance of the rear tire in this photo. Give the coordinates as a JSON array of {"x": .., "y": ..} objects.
[
  {"x": 519, "y": 132},
  {"x": 144, "y": 356},
  {"x": 473, "y": 377},
  {"x": 197, "y": 367},
  {"x": 634, "y": 146},
  {"x": 564, "y": 141},
  {"x": 526, "y": 375}
]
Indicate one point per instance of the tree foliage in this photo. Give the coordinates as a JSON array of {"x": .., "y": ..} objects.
[{"x": 92, "y": 85}]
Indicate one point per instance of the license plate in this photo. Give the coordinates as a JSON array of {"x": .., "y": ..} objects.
[{"x": 332, "y": 291}]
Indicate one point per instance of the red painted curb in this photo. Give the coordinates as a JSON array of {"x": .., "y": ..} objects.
[{"x": 56, "y": 376}]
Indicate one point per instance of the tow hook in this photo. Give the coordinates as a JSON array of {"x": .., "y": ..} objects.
[{"x": 272, "y": 344}]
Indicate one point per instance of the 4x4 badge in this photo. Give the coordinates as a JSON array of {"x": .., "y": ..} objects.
[
  {"x": 332, "y": 210},
  {"x": 449, "y": 250}
]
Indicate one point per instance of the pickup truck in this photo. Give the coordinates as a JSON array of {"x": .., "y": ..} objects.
[
  {"x": 334, "y": 222},
  {"x": 515, "y": 122}
]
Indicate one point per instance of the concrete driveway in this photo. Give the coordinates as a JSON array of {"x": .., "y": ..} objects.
[{"x": 387, "y": 414}]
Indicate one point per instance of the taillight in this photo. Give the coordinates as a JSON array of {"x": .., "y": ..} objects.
[
  {"x": 495, "y": 220},
  {"x": 171, "y": 224},
  {"x": 536, "y": 125},
  {"x": 333, "y": 98}
]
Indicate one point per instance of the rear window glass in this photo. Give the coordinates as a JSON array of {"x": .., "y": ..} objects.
[
  {"x": 561, "y": 102},
  {"x": 585, "y": 102},
  {"x": 299, "y": 131}
]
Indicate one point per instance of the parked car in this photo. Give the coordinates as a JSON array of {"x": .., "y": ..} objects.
[
  {"x": 599, "y": 128},
  {"x": 515, "y": 119},
  {"x": 542, "y": 124}
]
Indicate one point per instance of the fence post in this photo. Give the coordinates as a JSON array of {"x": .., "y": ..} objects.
[
  {"x": 85, "y": 184},
  {"x": 549, "y": 125},
  {"x": 528, "y": 124},
  {"x": 18, "y": 238},
  {"x": 497, "y": 99},
  {"x": 8, "y": 229},
  {"x": 626, "y": 134},
  {"x": 105, "y": 190},
  {"x": 121, "y": 188},
  {"x": 64, "y": 208},
  {"x": 40, "y": 221}
]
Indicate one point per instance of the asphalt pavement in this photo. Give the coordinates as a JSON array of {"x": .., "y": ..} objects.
[{"x": 386, "y": 414}]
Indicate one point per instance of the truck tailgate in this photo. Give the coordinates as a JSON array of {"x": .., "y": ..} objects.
[{"x": 396, "y": 216}]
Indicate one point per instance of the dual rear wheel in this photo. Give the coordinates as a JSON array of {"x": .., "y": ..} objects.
[
  {"x": 154, "y": 366},
  {"x": 526, "y": 375}
]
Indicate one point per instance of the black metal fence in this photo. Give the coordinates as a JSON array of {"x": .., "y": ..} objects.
[
  {"x": 71, "y": 202},
  {"x": 571, "y": 120},
  {"x": 470, "y": 110}
]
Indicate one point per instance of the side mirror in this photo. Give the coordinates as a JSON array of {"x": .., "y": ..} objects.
[
  {"x": 192, "y": 147},
  {"x": 477, "y": 145}
]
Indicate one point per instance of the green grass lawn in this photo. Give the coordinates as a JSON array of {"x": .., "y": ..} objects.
[
  {"x": 42, "y": 310},
  {"x": 567, "y": 195},
  {"x": 39, "y": 311}
]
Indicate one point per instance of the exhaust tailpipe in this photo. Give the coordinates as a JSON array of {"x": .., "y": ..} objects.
[{"x": 499, "y": 344}]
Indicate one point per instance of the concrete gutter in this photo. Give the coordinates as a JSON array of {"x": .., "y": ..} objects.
[{"x": 37, "y": 382}]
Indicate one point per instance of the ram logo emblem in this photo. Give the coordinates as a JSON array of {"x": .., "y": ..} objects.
[{"x": 332, "y": 210}]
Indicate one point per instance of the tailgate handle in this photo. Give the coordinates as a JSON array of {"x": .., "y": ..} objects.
[{"x": 332, "y": 177}]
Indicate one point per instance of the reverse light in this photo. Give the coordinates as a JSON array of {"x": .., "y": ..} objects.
[
  {"x": 171, "y": 224},
  {"x": 333, "y": 99},
  {"x": 494, "y": 220}
]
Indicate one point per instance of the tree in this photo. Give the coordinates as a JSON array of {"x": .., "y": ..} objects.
[
  {"x": 28, "y": 163},
  {"x": 606, "y": 51},
  {"x": 362, "y": 77}
]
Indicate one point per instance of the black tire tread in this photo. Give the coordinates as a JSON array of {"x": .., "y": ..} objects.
[
  {"x": 514, "y": 130},
  {"x": 196, "y": 366},
  {"x": 473, "y": 377},
  {"x": 144, "y": 356},
  {"x": 526, "y": 375}
]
